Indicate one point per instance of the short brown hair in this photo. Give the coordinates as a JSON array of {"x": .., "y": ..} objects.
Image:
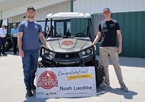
[
  {"x": 3, "y": 25},
  {"x": 14, "y": 24}
]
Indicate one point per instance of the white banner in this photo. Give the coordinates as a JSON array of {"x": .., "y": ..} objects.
[{"x": 65, "y": 82}]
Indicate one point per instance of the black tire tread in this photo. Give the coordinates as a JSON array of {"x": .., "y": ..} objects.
[{"x": 42, "y": 64}]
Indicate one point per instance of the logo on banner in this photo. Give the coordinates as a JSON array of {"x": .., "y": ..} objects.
[
  {"x": 67, "y": 43},
  {"x": 47, "y": 80}
]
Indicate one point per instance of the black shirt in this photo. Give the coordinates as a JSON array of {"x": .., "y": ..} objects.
[{"x": 108, "y": 30}]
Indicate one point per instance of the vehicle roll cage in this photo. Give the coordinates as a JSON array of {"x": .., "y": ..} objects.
[{"x": 67, "y": 16}]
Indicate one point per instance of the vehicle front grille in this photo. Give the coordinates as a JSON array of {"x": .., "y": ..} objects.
[{"x": 66, "y": 56}]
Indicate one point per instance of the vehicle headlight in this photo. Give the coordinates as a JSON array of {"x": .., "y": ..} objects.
[
  {"x": 46, "y": 51},
  {"x": 83, "y": 53},
  {"x": 52, "y": 54},
  {"x": 88, "y": 51}
]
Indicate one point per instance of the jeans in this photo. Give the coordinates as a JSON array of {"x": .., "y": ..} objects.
[
  {"x": 29, "y": 67},
  {"x": 2, "y": 42}
]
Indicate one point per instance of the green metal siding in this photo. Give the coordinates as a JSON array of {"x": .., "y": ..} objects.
[
  {"x": 71, "y": 6},
  {"x": 133, "y": 34},
  {"x": 132, "y": 26},
  {"x": 1, "y": 21},
  {"x": 78, "y": 25}
]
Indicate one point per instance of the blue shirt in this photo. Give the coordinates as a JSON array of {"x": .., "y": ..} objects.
[
  {"x": 31, "y": 30},
  {"x": 14, "y": 31}
]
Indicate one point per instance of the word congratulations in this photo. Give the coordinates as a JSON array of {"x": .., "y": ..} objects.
[{"x": 60, "y": 73}]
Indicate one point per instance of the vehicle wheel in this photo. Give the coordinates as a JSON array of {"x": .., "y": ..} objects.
[
  {"x": 99, "y": 69},
  {"x": 8, "y": 45},
  {"x": 42, "y": 64},
  {"x": 99, "y": 72}
]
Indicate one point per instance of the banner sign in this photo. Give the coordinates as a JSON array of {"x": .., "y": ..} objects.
[{"x": 65, "y": 82}]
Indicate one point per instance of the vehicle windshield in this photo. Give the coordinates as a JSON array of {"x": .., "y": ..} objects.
[
  {"x": 75, "y": 25},
  {"x": 62, "y": 28}
]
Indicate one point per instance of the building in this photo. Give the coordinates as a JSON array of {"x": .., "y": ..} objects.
[{"x": 129, "y": 13}]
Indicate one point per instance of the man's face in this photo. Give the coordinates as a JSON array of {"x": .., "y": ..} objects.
[
  {"x": 15, "y": 26},
  {"x": 107, "y": 14},
  {"x": 30, "y": 13},
  {"x": 3, "y": 27}
]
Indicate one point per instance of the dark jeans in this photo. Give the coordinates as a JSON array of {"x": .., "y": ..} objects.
[
  {"x": 15, "y": 44},
  {"x": 29, "y": 67},
  {"x": 2, "y": 43}
]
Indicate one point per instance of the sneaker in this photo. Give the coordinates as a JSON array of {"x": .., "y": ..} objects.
[
  {"x": 33, "y": 87},
  {"x": 29, "y": 93},
  {"x": 104, "y": 87},
  {"x": 124, "y": 88}
]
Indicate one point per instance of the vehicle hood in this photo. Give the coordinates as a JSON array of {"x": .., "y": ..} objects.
[{"x": 68, "y": 44}]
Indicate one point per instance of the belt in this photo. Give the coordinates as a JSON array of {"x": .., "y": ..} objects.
[{"x": 2, "y": 37}]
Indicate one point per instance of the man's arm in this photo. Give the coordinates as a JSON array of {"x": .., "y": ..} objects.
[
  {"x": 120, "y": 41},
  {"x": 21, "y": 52},
  {"x": 43, "y": 40},
  {"x": 99, "y": 34}
]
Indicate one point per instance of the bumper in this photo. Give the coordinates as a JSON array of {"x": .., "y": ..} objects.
[{"x": 60, "y": 59}]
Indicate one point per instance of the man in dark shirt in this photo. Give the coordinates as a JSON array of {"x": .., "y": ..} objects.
[{"x": 108, "y": 29}]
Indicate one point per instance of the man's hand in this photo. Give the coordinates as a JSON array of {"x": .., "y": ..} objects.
[
  {"x": 21, "y": 53},
  {"x": 47, "y": 47},
  {"x": 12, "y": 34},
  {"x": 119, "y": 50},
  {"x": 92, "y": 44}
]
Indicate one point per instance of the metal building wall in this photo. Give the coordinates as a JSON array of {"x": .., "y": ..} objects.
[
  {"x": 129, "y": 13},
  {"x": 96, "y": 6},
  {"x": 41, "y": 13},
  {"x": 133, "y": 33}
]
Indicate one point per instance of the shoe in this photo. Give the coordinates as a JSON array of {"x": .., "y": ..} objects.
[
  {"x": 124, "y": 88},
  {"x": 4, "y": 53},
  {"x": 104, "y": 87},
  {"x": 29, "y": 93},
  {"x": 0, "y": 55},
  {"x": 33, "y": 87}
]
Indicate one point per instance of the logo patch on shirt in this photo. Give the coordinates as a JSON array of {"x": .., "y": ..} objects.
[
  {"x": 112, "y": 25},
  {"x": 35, "y": 26}
]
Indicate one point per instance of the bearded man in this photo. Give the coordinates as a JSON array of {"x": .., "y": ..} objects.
[{"x": 29, "y": 32}]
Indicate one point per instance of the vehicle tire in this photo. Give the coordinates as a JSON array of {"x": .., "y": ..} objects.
[
  {"x": 99, "y": 72},
  {"x": 42, "y": 64},
  {"x": 99, "y": 69},
  {"x": 8, "y": 44}
]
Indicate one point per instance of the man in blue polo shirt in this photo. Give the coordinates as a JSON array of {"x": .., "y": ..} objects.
[{"x": 14, "y": 32}]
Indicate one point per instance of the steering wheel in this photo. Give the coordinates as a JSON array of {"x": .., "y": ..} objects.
[{"x": 80, "y": 35}]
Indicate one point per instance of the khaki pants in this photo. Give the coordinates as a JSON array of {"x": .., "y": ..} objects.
[{"x": 112, "y": 51}]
